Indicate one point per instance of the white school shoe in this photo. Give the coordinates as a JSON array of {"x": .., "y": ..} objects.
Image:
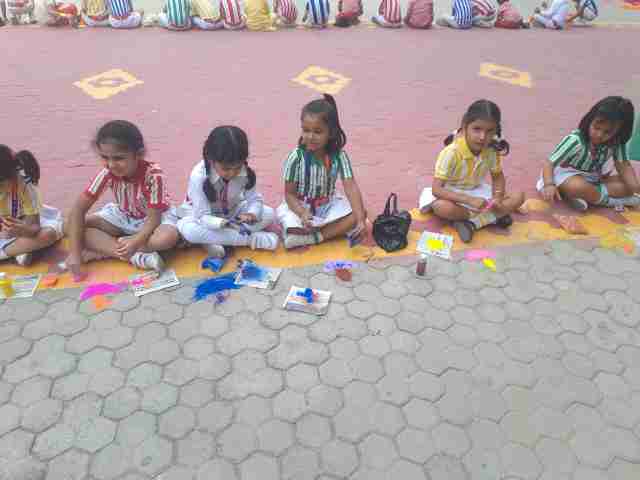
[
  {"x": 147, "y": 261},
  {"x": 263, "y": 241},
  {"x": 24, "y": 259},
  {"x": 215, "y": 251}
]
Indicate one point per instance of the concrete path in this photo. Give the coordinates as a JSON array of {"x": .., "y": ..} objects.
[{"x": 531, "y": 372}]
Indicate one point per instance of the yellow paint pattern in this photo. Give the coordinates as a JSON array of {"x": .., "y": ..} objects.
[
  {"x": 108, "y": 84},
  {"x": 187, "y": 262},
  {"x": 505, "y": 74},
  {"x": 322, "y": 80}
]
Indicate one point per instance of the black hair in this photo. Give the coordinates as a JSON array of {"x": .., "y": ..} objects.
[
  {"x": 11, "y": 164},
  {"x": 227, "y": 145},
  {"x": 614, "y": 110},
  {"x": 122, "y": 133},
  {"x": 326, "y": 107},
  {"x": 485, "y": 110}
]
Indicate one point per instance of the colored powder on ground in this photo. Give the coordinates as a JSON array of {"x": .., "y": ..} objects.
[
  {"x": 214, "y": 264},
  {"x": 102, "y": 289},
  {"x": 100, "y": 302},
  {"x": 333, "y": 265},
  {"x": 490, "y": 264},
  {"x": 343, "y": 274},
  {"x": 49, "y": 280},
  {"x": 474, "y": 255},
  {"x": 212, "y": 286},
  {"x": 251, "y": 271}
]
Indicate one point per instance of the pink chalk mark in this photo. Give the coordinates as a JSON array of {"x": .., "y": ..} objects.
[
  {"x": 475, "y": 255},
  {"x": 102, "y": 289}
]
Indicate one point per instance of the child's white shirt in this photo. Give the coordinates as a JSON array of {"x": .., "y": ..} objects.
[{"x": 237, "y": 196}]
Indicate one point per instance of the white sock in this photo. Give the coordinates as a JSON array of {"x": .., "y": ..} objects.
[
  {"x": 293, "y": 241},
  {"x": 483, "y": 219},
  {"x": 624, "y": 201}
]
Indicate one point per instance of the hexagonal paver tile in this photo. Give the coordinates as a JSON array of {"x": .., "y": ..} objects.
[
  {"x": 367, "y": 369},
  {"x": 300, "y": 464},
  {"x": 9, "y": 418},
  {"x": 313, "y": 430},
  {"x": 215, "y": 416},
  {"x": 302, "y": 377},
  {"x": 135, "y": 429},
  {"x": 324, "y": 400},
  {"x": 393, "y": 389},
  {"x": 159, "y": 398},
  {"x": 73, "y": 465},
  {"x": 556, "y": 456},
  {"x": 95, "y": 434},
  {"x": 451, "y": 440},
  {"x": 54, "y": 441},
  {"x": 377, "y": 452},
  {"x": 106, "y": 381},
  {"x": 195, "y": 449},
  {"x": 153, "y": 455},
  {"x": 426, "y": 386},
  {"x": 386, "y": 419},
  {"x": 339, "y": 458},
  {"x": 260, "y": 467},
  {"x": 415, "y": 445},
  {"x": 145, "y": 375},
  {"x": 71, "y": 386},
  {"x": 110, "y": 462},
  {"x": 181, "y": 371},
  {"x": 444, "y": 467},
  {"x": 121, "y": 403},
  {"x": 253, "y": 410},
  {"x": 217, "y": 469},
  {"x": 406, "y": 470},
  {"x": 519, "y": 427},
  {"x": 197, "y": 393},
  {"x": 237, "y": 442},
  {"x": 214, "y": 367},
  {"x": 421, "y": 414},
  {"x": 275, "y": 436},
  {"x": 31, "y": 391},
  {"x": 41, "y": 415},
  {"x": 295, "y": 346},
  {"x": 520, "y": 462},
  {"x": 177, "y": 422}
]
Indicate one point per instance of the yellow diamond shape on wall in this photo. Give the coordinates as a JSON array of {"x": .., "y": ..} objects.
[
  {"x": 322, "y": 80},
  {"x": 108, "y": 84},
  {"x": 505, "y": 74}
]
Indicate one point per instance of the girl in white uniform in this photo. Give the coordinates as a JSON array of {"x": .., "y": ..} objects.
[{"x": 223, "y": 207}]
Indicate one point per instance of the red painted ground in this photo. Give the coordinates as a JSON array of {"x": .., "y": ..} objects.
[{"x": 408, "y": 91}]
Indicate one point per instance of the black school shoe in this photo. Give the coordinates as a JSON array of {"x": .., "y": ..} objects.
[
  {"x": 465, "y": 230},
  {"x": 504, "y": 222}
]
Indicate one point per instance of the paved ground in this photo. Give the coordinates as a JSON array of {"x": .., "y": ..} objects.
[{"x": 532, "y": 372}]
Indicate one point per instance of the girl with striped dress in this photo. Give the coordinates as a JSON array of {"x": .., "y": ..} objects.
[
  {"x": 176, "y": 15},
  {"x": 122, "y": 14},
  {"x": 232, "y": 15},
  {"x": 313, "y": 210},
  {"x": 316, "y": 13},
  {"x": 578, "y": 169},
  {"x": 461, "y": 16},
  {"x": 484, "y": 13},
  {"x": 286, "y": 13},
  {"x": 389, "y": 14}
]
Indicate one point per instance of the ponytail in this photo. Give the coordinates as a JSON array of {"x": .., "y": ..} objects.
[{"x": 29, "y": 165}]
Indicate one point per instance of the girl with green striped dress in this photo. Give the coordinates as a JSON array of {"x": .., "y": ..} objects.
[
  {"x": 578, "y": 170},
  {"x": 313, "y": 210}
]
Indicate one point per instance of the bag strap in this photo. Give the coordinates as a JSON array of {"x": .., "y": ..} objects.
[{"x": 388, "y": 207}]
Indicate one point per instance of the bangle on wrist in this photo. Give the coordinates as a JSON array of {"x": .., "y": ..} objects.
[{"x": 550, "y": 184}]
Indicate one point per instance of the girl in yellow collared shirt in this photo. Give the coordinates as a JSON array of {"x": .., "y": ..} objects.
[
  {"x": 25, "y": 224},
  {"x": 459, "y": 193}
]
